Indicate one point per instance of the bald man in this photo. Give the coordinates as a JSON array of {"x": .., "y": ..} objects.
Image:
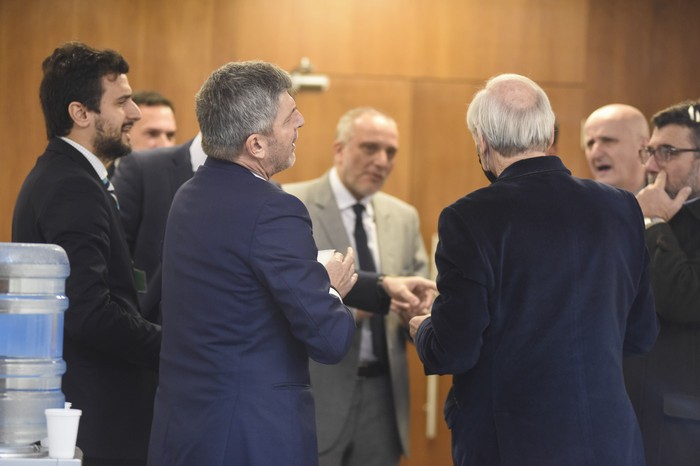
[{"x": 613, "y": 135}]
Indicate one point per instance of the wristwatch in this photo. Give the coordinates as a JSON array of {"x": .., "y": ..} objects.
[{"x": 649, "y": 221}]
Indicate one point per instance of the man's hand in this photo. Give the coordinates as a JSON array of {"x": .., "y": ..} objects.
[
  {"x": 655, "y": 201},
  {"x": 410, "y": 296},
  {"x": 341, "y": 271},
  {"x": 415, "y": 323}
]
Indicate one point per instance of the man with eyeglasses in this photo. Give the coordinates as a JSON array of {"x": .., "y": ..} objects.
[{"x": 664, "y": 385}]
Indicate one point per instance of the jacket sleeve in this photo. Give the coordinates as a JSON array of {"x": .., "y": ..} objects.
[
  {"x": 642, "y": 324},
  {"x": 675, "y": 276},
  {"x": 368, "y": 294},
  {"x": 284, "y": 258},
  {"x": 78, "y": 217},
  {"x": 449, "y": 342}
]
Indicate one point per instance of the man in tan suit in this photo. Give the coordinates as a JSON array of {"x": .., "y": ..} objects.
[{"x": 362, "y": 403}]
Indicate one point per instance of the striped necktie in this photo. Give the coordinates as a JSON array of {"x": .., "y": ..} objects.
[{"x": 110, "y": 189}]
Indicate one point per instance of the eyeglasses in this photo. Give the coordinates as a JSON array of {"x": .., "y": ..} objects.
[{"x": 662, "y": 154}]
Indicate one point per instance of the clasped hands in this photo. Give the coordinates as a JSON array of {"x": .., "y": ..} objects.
[{"x": 410, "y": 296}]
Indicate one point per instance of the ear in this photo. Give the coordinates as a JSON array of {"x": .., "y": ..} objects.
[
  {"x": 79, "y": 114},
  {"x": 484, "y": 146},
  {"x": 256, "y": 146},
  {"x": 337, "y": 151}
]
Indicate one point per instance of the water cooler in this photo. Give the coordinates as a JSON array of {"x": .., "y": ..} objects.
[{"x": 32, "y": 303}]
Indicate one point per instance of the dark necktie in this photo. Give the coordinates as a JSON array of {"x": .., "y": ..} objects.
[
  {"x": 110, "y": 189},
  {"x": 366, "y": 263}
]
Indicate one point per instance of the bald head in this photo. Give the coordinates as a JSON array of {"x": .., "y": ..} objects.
[
  {"x": 512, "y": 115},
  {"x": 613, "y": 135}
]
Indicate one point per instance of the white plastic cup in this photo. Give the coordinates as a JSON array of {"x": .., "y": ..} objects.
[
  {"x": 324, "y": 255},
  {"x": 62, "y": 425}
]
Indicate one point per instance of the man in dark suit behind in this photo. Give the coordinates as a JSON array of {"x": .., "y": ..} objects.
[
  {"x": 539, "y": 300},
  {"x": 111, "y": 352},
  {"x": 664, "y": 385},
  {"x": 145, "y": 183},
  {"x": 245, "y": 302}
]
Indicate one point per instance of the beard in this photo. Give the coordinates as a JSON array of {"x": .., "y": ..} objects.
[
  {"x": 693, "y": 180},
  {"x": 109, "y": 146},
  {"x": 282, "y": 159}
]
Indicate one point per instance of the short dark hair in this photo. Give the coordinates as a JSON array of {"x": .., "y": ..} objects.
[
  {"x": 151, "y": 99},
  {"x": 73, "y": 73},
  {"x": 686, "y": 114}
]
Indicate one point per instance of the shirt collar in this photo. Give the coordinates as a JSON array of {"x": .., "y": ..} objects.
[
  {"x": 533, "y": 165},
  {"x": 197, "y": 154},
  {"x": 92, "y": 158},
  {"x": 343, "y": 197}
]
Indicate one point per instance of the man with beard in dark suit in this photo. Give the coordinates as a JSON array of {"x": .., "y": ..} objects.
[
  {"x": 664, "y": 385},
  {"x": 110, "y": 350}
]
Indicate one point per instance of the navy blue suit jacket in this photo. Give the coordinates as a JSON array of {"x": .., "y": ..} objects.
[
  {"x": 544, "y": 284},
  {"x": 111, "y": 352},
  {"x": 245, "y": 304},
  {"x": 145, "y": 183}
]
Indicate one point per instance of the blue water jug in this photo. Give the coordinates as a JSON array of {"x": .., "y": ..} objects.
[{"x": 32, "y": 303}]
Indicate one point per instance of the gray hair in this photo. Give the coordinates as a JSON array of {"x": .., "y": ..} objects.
[
  {"x": 344, "y": 129},
  {"x": 513, "y": 115},
  {"x": 237, "y": 100}
]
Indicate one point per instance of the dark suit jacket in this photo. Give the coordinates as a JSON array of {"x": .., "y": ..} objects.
[
  {"x": 665, "y": 384},
  {"x": 245, "y": 304},
  {"x": 111, "y": 352},
  {"x": 145, "y": 183},
  {"x": 544, "y": 283}
]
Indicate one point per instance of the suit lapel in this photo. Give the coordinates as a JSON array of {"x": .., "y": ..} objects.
[
  {"x": 386, "y": 235},
  {"x": 181, "y": 169},
  {"x": 328, "y": 231},
  {"x": 62, "y": 147}
]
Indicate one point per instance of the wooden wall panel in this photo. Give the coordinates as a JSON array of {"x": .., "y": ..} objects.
[
  {"x": 642, "y": 53},
  {"x": 446, "y": 165},
  {"x": 449, "y": 39},
  {"x": 28, "y": 33}
]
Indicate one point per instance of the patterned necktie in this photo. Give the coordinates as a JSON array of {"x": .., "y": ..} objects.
[
  {"x": 110, "y": 189},
  {"x": 366, "y": 263}
]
